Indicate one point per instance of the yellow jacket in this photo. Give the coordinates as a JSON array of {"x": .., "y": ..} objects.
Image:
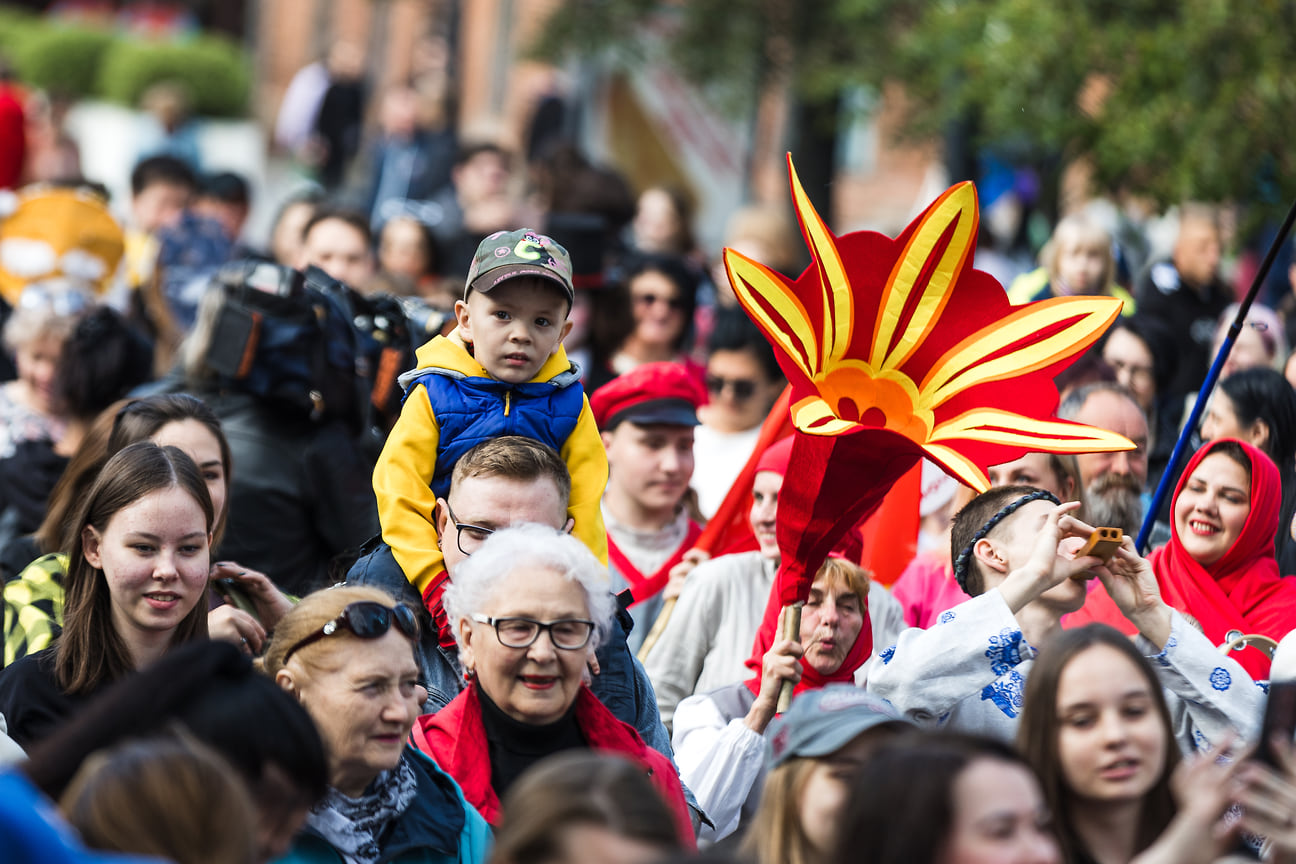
[{"x": 406, "y": 470}]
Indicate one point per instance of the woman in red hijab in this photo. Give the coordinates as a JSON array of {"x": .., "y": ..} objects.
[
  {"x": 1219, "y": 565},
  {"x": 718, "y": 736}
]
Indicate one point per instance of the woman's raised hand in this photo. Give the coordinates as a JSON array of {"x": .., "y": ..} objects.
[
  {"x": 270, "y": 603},
  {"x": 781, "y": 663},
  {"x": 236, "y": 626},
  {"x": 1203, "y": 789},
  {"x": 1132, "y": 585},
  {"x": 1268, "y": 799}
]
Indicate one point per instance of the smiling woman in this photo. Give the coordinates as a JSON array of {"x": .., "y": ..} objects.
[
  {"x": 528, "y": 609},
  {"x": 1097, "y": 730},
  {"x": 1219, "y": 565},
  {"x": 137, "y": 574}
]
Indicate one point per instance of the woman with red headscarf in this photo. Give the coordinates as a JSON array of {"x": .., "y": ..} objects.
[
  {"x": 1219, "y": 566},
  {"x": 718, "y": 736}
]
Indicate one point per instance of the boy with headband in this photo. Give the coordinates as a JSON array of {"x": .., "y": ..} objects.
[{"x": 1013, "y": 549}]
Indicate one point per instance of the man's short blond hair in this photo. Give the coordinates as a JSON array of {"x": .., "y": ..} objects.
[{"x": 514, "y": 457}]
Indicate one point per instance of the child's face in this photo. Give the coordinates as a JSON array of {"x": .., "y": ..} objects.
[
  {"x": 159, "y": 205},
  {"x": 1081, "y": 266},
  {"x": 515, "y": 327}
]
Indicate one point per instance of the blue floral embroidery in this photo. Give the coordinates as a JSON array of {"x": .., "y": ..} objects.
[
  {"x": 1264, "y": 687},
  {"x": 887, "y": 655},
  {"x": 1005, "y": 650},
  {"x": 945, "y": 616},
  {"x": 1006, "y": 693},
  {"x": 1220, "y": 679},
  {"x": 1200, "y": 741},
  {"x": 1162, "y": 659}
]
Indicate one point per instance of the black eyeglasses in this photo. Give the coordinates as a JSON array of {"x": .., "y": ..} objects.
[
  {"x": 476, "y": 534},
  {"x": 367, "y": 619},
  {"x": 743, "y": 388},
  {"x": 569, "y": 634}
]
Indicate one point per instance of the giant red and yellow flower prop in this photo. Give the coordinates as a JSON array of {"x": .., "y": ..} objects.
[{"x": 898, "y": 349}]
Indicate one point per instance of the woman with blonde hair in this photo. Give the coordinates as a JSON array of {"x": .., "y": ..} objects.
[
  {"x": 347, "y": 655},
  {"x": 719, "y": 736},
  {"x": 814, "y": 752}
]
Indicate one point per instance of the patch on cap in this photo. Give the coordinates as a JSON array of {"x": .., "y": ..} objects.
[{"x": 509, "y": 254}]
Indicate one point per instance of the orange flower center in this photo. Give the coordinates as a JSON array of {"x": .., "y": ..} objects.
[{"x": 885, "y": 400}]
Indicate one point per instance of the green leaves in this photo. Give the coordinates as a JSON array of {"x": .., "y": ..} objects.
[{"x": 1173, "y": 99}]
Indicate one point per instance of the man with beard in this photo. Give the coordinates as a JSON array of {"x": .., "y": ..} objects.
[{"x": 1113, "y": 482}]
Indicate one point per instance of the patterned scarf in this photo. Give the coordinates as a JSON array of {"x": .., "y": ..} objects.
[{"x": 354, "y": 826}]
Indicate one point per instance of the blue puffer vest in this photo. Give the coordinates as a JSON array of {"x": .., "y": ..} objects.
[{"x": 470, "y": 410}]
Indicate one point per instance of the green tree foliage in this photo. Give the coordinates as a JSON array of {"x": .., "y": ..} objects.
[{"x": 1174, "y": 99}]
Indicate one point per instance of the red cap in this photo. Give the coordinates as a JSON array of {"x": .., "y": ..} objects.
[{"x": 651, "y": 393}]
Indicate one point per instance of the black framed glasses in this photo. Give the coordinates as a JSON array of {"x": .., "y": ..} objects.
[
  {"x": 367, "y": 619},
  {"x": 569, "y": 634},
  {"x": 742, "y": 388},
  {"x": 476, "y": 534}
]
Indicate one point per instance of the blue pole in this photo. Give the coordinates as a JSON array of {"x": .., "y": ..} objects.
[{"x": 1163, "y": 488}]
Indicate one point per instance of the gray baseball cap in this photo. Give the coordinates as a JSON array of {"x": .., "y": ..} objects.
[
  {"x": 823, "y": 721},
  {"x": 506, "y": 254}
]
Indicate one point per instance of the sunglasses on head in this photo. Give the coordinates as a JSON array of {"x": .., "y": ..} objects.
[
  {"x": 366, "y": 619},
  {"x": 742, "y": 388}
]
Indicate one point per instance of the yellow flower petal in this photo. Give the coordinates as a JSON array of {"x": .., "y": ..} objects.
[
  {"x": 813, "y": 416},
  {"x": 785, "y": 320},
  {"x": 838, "y": 300},
  {"x": 995, "y": 426},
  {"x": 957, "y": 207},
  {"x": 965, "y": 365},
  {"x": 958, "y": 466}
]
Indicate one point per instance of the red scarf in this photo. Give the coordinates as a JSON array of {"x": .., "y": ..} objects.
[
  {"x": 1241, "y": 591},
  {"x": 810, "y": 679},
  {"x": 432, "y": 599},
  {"x": 456, "y": 739},
  {"x": 641, "y": 586}
]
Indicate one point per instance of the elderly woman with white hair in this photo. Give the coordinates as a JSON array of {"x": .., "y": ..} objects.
[{"x": 528, "y": 610}]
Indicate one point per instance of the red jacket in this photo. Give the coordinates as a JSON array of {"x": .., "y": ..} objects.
[{"x": 456, "y": 739}]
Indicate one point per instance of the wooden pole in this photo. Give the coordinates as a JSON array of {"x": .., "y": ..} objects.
[{"x": 791, "y": 630}]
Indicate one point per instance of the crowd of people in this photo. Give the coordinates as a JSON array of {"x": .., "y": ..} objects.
[{"x": 387, "y": 537}]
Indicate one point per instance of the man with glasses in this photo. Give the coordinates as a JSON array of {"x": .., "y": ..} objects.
[
  {"x": 743, "y": 380},
  {"x": 500, "y": 483}
]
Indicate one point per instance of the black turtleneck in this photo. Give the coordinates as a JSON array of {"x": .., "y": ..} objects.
[{"x": 515, "y": 746}]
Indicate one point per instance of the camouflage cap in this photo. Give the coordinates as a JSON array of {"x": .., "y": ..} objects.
[{"x": 506, "y": 254}]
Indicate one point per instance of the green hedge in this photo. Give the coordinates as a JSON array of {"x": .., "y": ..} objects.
[
  {"x": 15, "y": 27},
  {"x": 62, "y": 60},
  {"x": 84, "y": 63},
  {"x": 213, "y": 70}
]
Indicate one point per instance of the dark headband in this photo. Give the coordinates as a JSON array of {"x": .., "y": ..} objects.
[{"x": 964, "y": 559}]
